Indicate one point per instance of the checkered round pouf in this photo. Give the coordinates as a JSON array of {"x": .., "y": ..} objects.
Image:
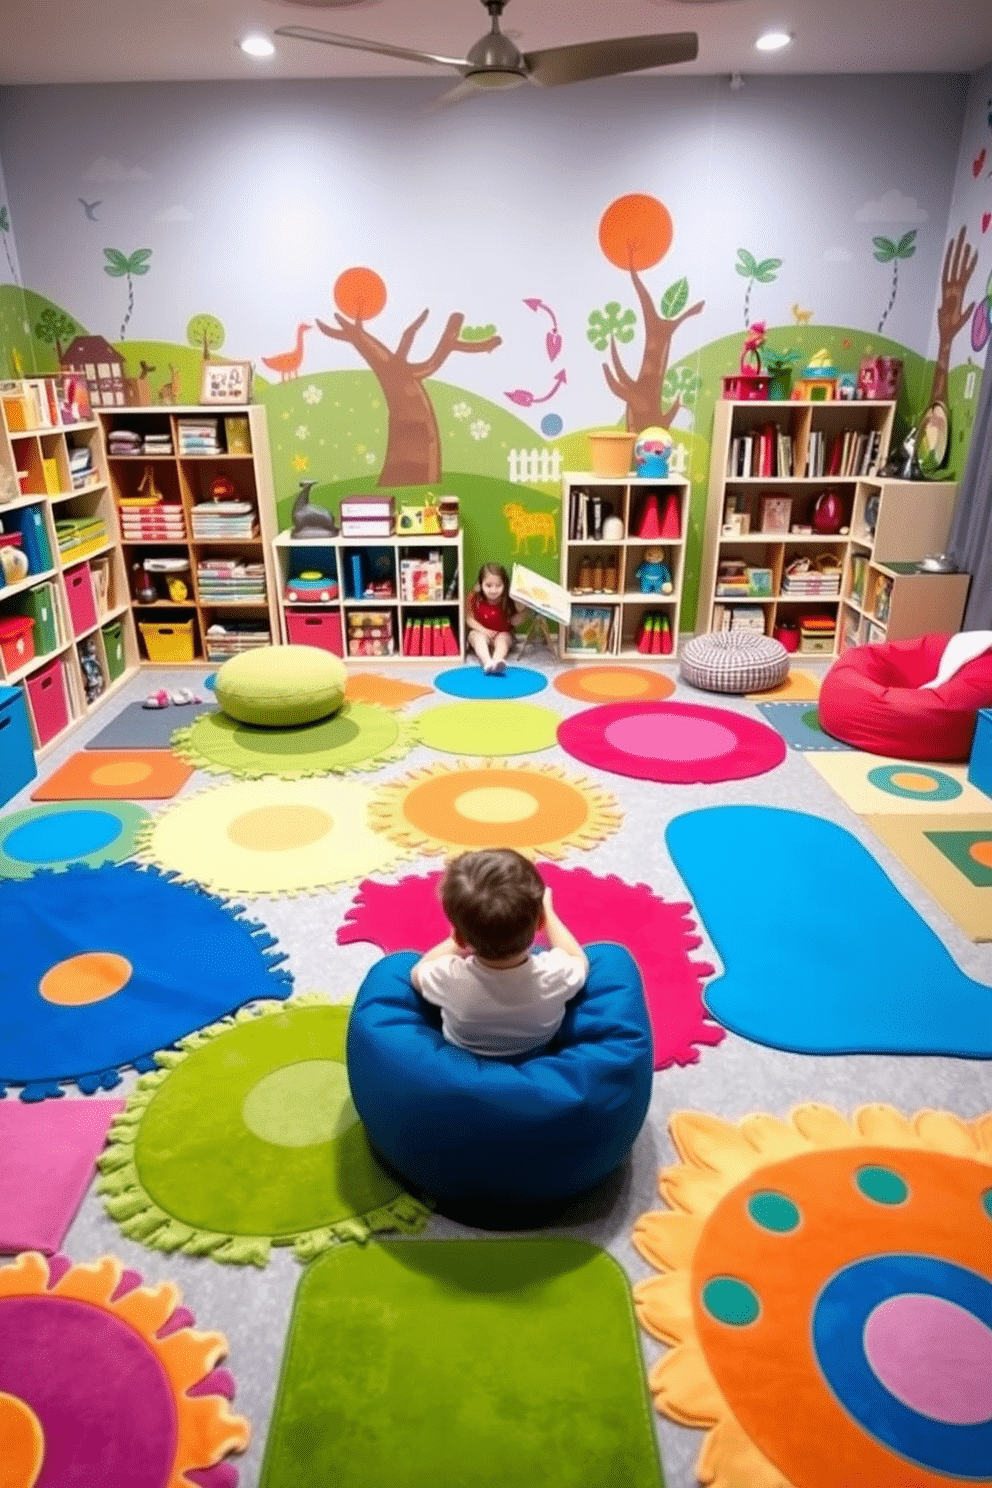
[{"x": 733, "y": 661}]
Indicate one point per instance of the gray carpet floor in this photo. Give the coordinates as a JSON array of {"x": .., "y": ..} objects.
[{"x": 252, "y": 1307}]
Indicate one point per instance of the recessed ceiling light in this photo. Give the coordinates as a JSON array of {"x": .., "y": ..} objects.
[
  {"x": 773, "y": 41},
  {"x": 257, "y": 46}
]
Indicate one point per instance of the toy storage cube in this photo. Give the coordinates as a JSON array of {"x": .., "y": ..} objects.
[
  {"x": 17, "y": 766},
  {"x": 39, "y": 605},
  {"x": 980, "y": 763},
  {"x": 16, "y": 641},
  {"x": 82, "y": 604},
  {"x": 315, "y": 628},
  {"x": 169, "y": 642},
  {"x": 113, "y": 645},
  {"x": 48, "y": 701}
]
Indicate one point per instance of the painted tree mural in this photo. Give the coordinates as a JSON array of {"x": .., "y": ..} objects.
[
  {"x": 888, "y": 252},
  {"x": 959, "y": 265},
  {"x": 206, "y": 333},
  {"x": 755, "y": 273},
  {"x": 635, "y": 233},
  {"x": 119, "y": 266},
  {"x": 53, "y": 327},
  {"x": 413, "y": 443}
]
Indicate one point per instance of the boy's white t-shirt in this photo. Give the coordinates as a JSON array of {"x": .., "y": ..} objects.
[{"x": 506, "y": 1010}]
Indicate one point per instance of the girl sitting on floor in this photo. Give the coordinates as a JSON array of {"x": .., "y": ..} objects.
[{"x": 490, "y": 616}]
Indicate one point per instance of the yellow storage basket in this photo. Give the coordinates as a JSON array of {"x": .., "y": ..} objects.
[{"x": 169, "y": 642}]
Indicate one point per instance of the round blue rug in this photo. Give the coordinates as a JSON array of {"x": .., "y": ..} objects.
[
  {"x": 104, "y": 966},
  {"x": 473, "y": 682},
  {"x": 69, "y": 833}
]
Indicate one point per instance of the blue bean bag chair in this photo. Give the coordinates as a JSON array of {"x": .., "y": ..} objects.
[{"x": 505, "y": 1134}]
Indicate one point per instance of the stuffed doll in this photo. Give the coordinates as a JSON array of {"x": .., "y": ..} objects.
[{"x": 653, "y": 575}]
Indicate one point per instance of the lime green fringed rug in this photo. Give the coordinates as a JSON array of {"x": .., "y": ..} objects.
[
  {"x": 360, "y": 736},
  {"x": 247, "y": 1138},
  {"x": 495, "y": 1363}
]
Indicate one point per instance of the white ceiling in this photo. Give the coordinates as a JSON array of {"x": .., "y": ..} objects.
[{"x": 87, "y": 41}]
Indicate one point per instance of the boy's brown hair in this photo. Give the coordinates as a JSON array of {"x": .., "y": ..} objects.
[{"x": 494, "y": 898}]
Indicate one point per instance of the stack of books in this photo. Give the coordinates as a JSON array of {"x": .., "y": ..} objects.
[
  {"x": 230, "y": 581},
  {"x": 739, "y": 617},
  {"x": 227, "y": 519},
  {"x": 198, "y": 436},
  {"x": 235, "y": 636},
  {"x": 812, "y": 581},
  {"x": 78, "y": 536},
  {"x": 732, "y": 581},
  {"x": 81, "y": 467},
  {"x": 367, "y": 516},
  {"x": 150, "y": 519}
]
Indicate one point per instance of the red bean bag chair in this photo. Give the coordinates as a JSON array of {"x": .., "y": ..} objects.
[{"x": 872, "y": 698}]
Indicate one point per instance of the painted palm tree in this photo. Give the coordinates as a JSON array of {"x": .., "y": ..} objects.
[
  {"x": 5, "y": 229},
  {"x": 118, "y": 266},
  {"x": 755, "y": 273},
  {"x": 888, "y": 252}
]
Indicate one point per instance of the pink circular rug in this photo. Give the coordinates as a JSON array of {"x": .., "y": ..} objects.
[{"x": 675, "y": 743}]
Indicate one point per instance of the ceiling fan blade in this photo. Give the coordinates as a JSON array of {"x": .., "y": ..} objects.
[
  {"x": 357, "y": 44},
  {"x": 595, "y": 59},
  {"x": 458, "y": 94}
]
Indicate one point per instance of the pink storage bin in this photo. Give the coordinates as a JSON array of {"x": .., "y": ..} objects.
[
  {"x": 315, "y": 628},
  {"x": 49, "y": 704},
  {"x": 82, "y": 602}
]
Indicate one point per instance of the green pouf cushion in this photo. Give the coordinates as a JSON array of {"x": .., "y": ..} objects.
[{"x": 281, "y": 686}]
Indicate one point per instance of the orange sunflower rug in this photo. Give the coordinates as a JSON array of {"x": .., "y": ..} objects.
[
  {"x": 537, "y": 809},
  {"x": 826, "y": 1291}
]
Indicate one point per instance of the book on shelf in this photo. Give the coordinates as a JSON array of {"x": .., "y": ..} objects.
[
  {"x": 237, "y": 434},
  {"x": 587, "y": 511},
  {"x": 882, "y": 598},
  {"x": 589, "y": 628},
  {"x": 859, "y": 570},
  {"x": 759, "y": 582}
]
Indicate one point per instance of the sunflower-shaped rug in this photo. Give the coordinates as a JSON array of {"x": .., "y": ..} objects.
[
  {"x": 105, "y": 1380},
  {"x": 359, "y": 736},
  {"x": 407, "y": 916},
  {"x": 271, "y": 836},
  {"x": 827, "y": 1295},
  {"x": 537, "y": 809},
  {"x": 103, "y": 966},
  {"x": 247, "y": 1138}
]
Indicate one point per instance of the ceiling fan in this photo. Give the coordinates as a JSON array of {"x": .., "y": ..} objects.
[{"x": 494, "y": 62}]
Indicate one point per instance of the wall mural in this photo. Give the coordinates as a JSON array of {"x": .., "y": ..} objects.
[{"x": 359, "y": 400}]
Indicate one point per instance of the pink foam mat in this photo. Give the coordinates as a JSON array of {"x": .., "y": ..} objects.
[
  {"x": 407, "y": 916},
  {"x": 48, "y": 1151}
]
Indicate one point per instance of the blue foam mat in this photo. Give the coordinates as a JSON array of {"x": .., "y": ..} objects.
[
  {"x": 832, "y": 959},
  {"x": 472, "y": 682}
]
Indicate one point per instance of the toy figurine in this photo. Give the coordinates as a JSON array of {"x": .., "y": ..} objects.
[
  {"x": 652, "y": 452},
  {"x": 310, "y": 520},
  {"x": 653, "y": 574}
]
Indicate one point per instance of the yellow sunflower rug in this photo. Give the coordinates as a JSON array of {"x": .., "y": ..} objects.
[
  {"x": 271, "y": 836},
  {"x": 247, "y": 1137},
  {"x": 826, "y": 1292},
  {"x": 537, "y": 809}
]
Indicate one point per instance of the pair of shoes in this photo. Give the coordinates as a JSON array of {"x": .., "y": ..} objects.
[
  {"x": 183, "y": 695},
  {"x": 158, "y": 699},
  {"x": 488, "y": 667},
  {"x": 499, "y": 668}
]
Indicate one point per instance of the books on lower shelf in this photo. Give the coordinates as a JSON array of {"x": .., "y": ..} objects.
[
  {"x": 234, "y": 636},
  {"x": 739, "y": 617},
  {"x": 590, "y": 628},
  {"x": 429, "y": 637},
  {"x": 228, "y": 519},
  {"x": 231, "y": 581}
]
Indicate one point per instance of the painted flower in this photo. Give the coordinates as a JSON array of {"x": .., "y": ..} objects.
[
  {"x": 461, "y": 410},
  {"x": 312, "y": 393},
  {"x": 479, "y": 429},
  {"x": 302, "y": 432}
]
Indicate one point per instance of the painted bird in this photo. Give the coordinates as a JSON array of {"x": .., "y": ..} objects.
[{"x": 90, "y": 208}]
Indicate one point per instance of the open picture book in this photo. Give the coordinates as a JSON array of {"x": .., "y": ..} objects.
[{"x": 540, "y": 594}]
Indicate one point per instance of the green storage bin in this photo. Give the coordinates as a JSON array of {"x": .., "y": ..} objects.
[
  {"x": 39, "y": 604},
  {"x": 113, "y": 645}
]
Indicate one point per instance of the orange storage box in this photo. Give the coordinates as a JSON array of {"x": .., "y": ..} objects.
[
  {"x": 16, "y": 641},
  {"x": 48, "y": 701}
]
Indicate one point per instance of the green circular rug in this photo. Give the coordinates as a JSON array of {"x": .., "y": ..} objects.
[
  {"x": 68, "y": 834},
  {"x": 489, "y": 728},
  {"x": 248, "y": 1138},
  {"x": 360, "y": 736}
]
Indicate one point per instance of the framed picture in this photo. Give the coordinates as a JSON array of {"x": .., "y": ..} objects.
[
  {"x": 776, "y": 513},
  {"x": 226, "y": 382}
]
